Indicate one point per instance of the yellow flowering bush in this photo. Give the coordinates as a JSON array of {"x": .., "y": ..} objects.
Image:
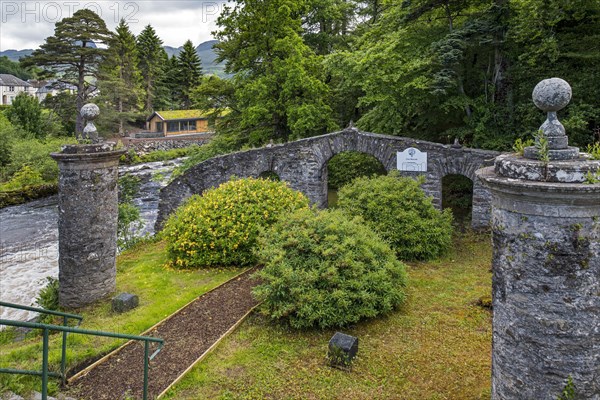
[{"x": 220, "y": 227}]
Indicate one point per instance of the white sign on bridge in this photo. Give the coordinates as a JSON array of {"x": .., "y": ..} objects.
[{"x": 412, "y": 160}]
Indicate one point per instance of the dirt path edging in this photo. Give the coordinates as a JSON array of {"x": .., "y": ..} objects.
[
  {"x": 190, "y": 334},
  {"x": 207, "y": 352}
]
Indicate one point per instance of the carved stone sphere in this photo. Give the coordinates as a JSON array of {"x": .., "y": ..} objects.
[
  {"x": 552, "y": 94},
  {"x": 90, "y": 111}
]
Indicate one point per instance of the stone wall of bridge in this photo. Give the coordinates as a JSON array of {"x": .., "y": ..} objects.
[{"x": 303, "y": 164}]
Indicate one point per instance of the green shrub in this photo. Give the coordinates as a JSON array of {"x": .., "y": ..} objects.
[
  {"x": 593, "y": 150},
  {"x": 322, "y": 269},
  {"x": 401, "y": 213},
  {"x": 218, "y": 145},
  {"x": 129, "y": 222},
  {"x": 24, "y": 178},
  {"x": 129, "y": 187},
  {"x": 220, "y": 227},
  {"x": 8, "y": 133},
  {"x": 345, "y": 166},
  {"x": 36, "y": 154},
  {"x": 48, "y": 299},
  {"x": 130, "y": 157},
  {"x": 520, "y": 145}
]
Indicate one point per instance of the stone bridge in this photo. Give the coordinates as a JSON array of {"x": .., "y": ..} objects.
[{"x": 303, "y": 164}]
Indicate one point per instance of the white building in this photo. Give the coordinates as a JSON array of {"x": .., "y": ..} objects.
[
  {"x": 42, "y": 89},
  {"x": 11, "y": 86}
]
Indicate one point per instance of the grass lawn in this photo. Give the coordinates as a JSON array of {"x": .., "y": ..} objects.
[
  {"x": 140, "y": 271},
  {"x": 437, "y": 347}
]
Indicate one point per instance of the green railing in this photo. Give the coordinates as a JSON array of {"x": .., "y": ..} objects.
[
  {"x": 46, "y": 328},
  {"x": 66, "y": 317}
]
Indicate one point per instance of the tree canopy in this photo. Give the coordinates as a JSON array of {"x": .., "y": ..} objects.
[
  {"x": 120, "y": 81},
  {"x": 280, "y": 91},
  {"x": 72, "y": 53},
  {"x": 428, "y": 69},
  {"x": 153, "y": 60}
]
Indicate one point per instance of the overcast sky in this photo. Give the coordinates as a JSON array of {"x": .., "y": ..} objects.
[{"x": 25, "y": 24}]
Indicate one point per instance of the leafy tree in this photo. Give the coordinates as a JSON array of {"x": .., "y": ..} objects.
[
  {"x": 189, "y": 72},
  {"x": 557, "y": 38},
  {"x": 152, "y": 59},
  {"x": 6, "y": 148},
  {"x": 13, "y": 68},
  {"x": 26, "y": 113},
  {"x": 120, "y": 80},
  {"x": 429, "y": 69},
  {"x": 217, "y": 98},
  {"x": 280, "y": 92},
  {"x": 72, "y": 53},
  {"x": 63, "y": 105},
  {"x": 327, "y": 24},
  {"x": 370, "y": 10}
]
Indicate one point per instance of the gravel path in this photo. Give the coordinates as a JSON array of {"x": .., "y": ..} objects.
[{"x": 187, "y": 335}]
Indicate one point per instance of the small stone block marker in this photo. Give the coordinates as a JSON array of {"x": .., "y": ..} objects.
[
  {"x": 342, "y": 350},
  {"x": 124, "y": 302}
]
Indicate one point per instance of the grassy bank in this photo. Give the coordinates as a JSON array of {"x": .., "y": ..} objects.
[
  {"x": 437, "y": 347},
  {"x": 140, "y": 271}
]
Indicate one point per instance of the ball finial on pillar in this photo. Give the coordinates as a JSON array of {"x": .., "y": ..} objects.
[
  {"x": 552, "y": 95},
  {"x": 90, "y": 112}
]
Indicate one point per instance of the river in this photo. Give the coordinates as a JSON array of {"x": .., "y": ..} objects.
[{"x": 29, "y": 237}]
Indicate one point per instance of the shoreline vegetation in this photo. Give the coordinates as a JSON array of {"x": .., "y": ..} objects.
[{"x": 29, "y": 185}]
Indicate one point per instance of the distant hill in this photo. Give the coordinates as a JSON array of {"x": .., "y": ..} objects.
[
  {"x": 205, "y": 51},
  {"x": 207, "y": 56},
  {"x": 14, "y": 55}
]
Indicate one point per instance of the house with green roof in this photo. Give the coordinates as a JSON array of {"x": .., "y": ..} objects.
[{"x": 179, "y": 122}]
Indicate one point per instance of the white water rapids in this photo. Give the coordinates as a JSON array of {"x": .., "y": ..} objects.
[{"x": 29, "y": 237}]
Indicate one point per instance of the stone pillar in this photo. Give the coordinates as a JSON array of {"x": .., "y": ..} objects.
[
  {"x": 546, "y": 264},
  {"x": 87, "y": 222}
]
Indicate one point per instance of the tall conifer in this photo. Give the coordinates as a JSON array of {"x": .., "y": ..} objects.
[
  {"x": 189, "y": 72},
  {"x": 152, "y": 59},
  {"x": 120, "y": 80}
]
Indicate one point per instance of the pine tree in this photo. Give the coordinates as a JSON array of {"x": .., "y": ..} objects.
[
  {"x": 152, "y": 62},
  {"x": 72, "y": 53},
  {"x": 172, "y": 84},
  {"x": 120, "y": 80},
  {"x": 189, "y": 72}
]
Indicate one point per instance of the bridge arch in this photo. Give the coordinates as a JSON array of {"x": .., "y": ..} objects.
[
  {"x": 343, "y": 167},
  {"x": 303, "y": 164}
]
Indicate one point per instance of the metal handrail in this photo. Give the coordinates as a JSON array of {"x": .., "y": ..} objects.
[
  {"x": 48, "y": 327},
  {"x": 66, "y": 317},
  {"x": 41, "y": 310}
]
